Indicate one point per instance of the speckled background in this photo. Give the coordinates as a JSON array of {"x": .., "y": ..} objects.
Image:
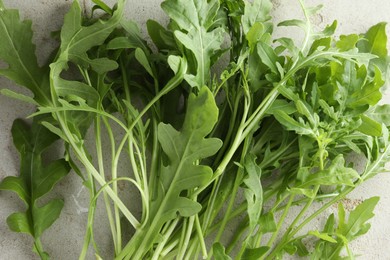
[{"x": 64, "y": 239}]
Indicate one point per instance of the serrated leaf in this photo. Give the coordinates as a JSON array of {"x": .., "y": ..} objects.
[
  {"x": 335, "y": 174},
  {"x": 292, "y": 124},
  {"x": 76, "y": 40},
  {"x": 347, "y": 42},
  {"x": 180, "y": 171},
  {"x": 255, "y": 11},
  {"x": 35, "y": 179},
  {"x": 357, "y": 221},
  {"x": 195, "y": 19},
  {"x": 253, "y": 191},
  {"x": 18, "y": 52}
]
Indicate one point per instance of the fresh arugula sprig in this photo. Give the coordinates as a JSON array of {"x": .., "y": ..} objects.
[
  {"x": 276, "y": 125},
  {"x": 37, "y": 178}
]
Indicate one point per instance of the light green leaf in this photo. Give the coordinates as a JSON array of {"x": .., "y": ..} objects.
[
  {"x": 322, "y": 236},
  {"x": 24, "y": 98},
  {"x": 18, "y": 52},
  {"x": 35, "y": 180},
  {"x": 255, "y": 11},
  {"x": 182, "y": 170},
  {"x": 291, "y": 124},
  {"x": 370, "y": 126},
  {"x": 347, "y": 42},
  {"x": 357, "y": 221},
  {"x": 293, "y": 22},
  {"x": 375, "y": 40},
  {"x": 335, "y": 174},
  {"x": 19, "y": 222},
  {"x": 254, "y": 34},
  {"x": 381, "y": 114},
  {"x": 219, "y": 252},
  {"x": 282, "y": 105},
  {"x": 253, "y": 191},
  {"x": 267, "y": 223},
  {"x": 195, "y": 18}
]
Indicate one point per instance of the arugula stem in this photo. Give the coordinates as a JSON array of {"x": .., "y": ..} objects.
[
  {"x": 281, "y": 221},
  {"x": 167, "y": 234}
]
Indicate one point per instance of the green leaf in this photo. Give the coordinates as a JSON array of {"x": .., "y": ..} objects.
[
  {"x": 323, "y": 236},
  {"x": 291, "y": 124},
  {"x": 293, "y": 22},
  {"x": 254, "y": 253},
  {"x": 36, "y": 179},
  {"x": 24, "y": 98},
  {"x": 76, "y": 40},
  {"x": 375, "y": 40},
  {"x": 195, "y": 19},
  {"x": 357, "y": 221},
  {"x": 18, "y": 52},
  {"x": 370, "y": 126},
  {"x": 347, "y": 42},
  {"x": 253, "y": 191},
  {"x": 370, "y": 93},
  {"x": 182, "y": 169},
  {"x": 254, "y": 34},
  {"x": 19, "y": 222},
  {"x": 268, "y": 56},
  {"x": 296, "y": 246},
  {"x": 255, "y": 11},
  {"x": 335, "y": 174},
  {"x": 162, "y": 38},
  {"x": 381, "y": 114},
  {"x": 143, "y": 60},
  {"x": 267, "y": 223},
  {"x": 282, "y": 105},
  {"x": 46, "y": 215},
  {"x": 219, "y": 252}
]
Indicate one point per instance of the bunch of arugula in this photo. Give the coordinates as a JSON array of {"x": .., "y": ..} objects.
[{"x": 275, "y": 125}]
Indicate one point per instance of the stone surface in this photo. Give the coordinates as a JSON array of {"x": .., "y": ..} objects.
[{"x": 64, "y": 239}]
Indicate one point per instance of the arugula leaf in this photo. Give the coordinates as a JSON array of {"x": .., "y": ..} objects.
[
  {"x": 181, "y": 172},
  {"x": 256, "y": 11},
  {"x": 253, "y": 191},
  {"x": 18, "y": 52},
  {"x": 196, "y": 19},
  {"x": 347, "y": 230},
  {"x": 35, "y": 181}
]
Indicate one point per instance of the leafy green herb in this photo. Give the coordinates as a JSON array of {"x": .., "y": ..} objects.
[{"x": 276, "y": 124}]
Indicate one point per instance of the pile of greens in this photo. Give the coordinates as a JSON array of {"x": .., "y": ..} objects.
[{"x": 210, "y": 150}]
